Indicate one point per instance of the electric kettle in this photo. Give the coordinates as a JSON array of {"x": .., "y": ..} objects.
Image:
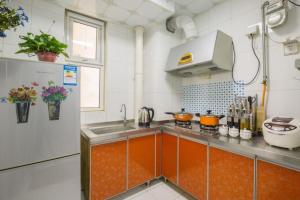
[{"x": 145, "y": 116}]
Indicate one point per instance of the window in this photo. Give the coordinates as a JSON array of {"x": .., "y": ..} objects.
[{"x": 85, "y": 38}]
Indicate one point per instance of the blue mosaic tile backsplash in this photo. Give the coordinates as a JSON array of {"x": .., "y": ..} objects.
[{"x": 213, "y": 96}]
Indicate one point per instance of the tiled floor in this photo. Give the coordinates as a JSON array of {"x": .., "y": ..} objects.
[{"x": 160, "y": 191}]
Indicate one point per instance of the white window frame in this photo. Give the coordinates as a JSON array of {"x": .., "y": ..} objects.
[
  {"x": 99, "y": 62},
  {"x": 98, "y": 24}
]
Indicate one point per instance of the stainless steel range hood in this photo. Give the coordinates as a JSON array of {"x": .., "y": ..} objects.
[{"x": 207, "y": 54}]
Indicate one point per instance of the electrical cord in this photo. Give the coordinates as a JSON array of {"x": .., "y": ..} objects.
[
  {"x": 234, "y": 61},
  {"x": 296, "y": 4},
  {"x": 275, "y": 41}
]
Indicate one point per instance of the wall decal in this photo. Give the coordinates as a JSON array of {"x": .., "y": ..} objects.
[
  {"x": 23, "y": 97},
  {"x": 53, "y": 95}
]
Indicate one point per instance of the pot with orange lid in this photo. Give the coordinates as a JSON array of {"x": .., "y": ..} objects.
[
  {"x": 209, "y": 121},
  {"x": 181, "y": 116}
]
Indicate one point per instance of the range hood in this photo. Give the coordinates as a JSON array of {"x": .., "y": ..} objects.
[{"x": 204, "y": 55}]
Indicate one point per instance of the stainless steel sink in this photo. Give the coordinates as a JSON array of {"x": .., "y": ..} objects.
[{"x": 110, "y": 129}]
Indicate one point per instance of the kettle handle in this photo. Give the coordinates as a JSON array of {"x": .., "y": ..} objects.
[{"x": 152, "y": 114}]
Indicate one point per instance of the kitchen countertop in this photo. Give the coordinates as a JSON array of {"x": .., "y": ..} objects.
[
  {"x": 254, "y": 148},
  {"x": 95, "y": 139}
]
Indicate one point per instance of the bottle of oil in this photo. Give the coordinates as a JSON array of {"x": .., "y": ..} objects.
[{"x": 245, "y": 122}]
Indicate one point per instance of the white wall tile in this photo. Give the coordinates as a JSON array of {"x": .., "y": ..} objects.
[
  {"x": 161, "y": 90},
  {"x": 233, "y": 17},
  {"x": 220, "y": 13}
]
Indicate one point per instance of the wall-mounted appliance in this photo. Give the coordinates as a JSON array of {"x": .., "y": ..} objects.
[
  {"x": 207, "y": 54},
  {"x": 276, "y": 13}
]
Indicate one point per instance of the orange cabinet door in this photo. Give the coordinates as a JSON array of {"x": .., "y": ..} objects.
[
  {"x": 231, "y": 176},
  {"x": 277, "y": 183},
  {"x": 158, "y": 155},
  {"x": 108, "y": 170},
  {"x": 141, "y": 160},
  {"x": 169, "y": 160},
  {"x": 193, "y": 168}
]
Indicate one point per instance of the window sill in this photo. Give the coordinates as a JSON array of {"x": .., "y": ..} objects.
[{"x": 91, "y": 110}]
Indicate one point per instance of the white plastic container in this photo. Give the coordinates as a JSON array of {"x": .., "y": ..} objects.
[
  {"x": 234, "y": 132},
  {"x": 223, "y": 130},
  {"x": 246, "y": 134}
]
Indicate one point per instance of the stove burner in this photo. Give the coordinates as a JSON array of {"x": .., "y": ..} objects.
[
  {"x": 208, "y": 128},
  {"x": 187, "y": 124}
]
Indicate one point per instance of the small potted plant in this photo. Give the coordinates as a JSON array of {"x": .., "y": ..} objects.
[
  {"x": 23, "y": 97},
  {"x": 45, "y": 46},
  {"x": 53, "y": 95},
  {"x": 11, "y": 18}
]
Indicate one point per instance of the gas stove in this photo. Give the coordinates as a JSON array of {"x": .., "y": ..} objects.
[
  {"x": 187, "y": 124},
  {"x": 208, "y": 128}
]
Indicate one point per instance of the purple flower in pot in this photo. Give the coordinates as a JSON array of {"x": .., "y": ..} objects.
[{"x": 53, "y": 95}]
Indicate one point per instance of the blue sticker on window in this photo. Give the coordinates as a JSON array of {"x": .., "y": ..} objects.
[{"x": 70, "y": 75}]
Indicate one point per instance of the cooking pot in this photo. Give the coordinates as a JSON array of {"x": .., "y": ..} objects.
[
  {"x": 209, "y": 119},
  {"x": 181, "y": 116}
]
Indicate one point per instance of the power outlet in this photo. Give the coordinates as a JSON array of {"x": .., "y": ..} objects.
[{"x": 253, "y": 30}]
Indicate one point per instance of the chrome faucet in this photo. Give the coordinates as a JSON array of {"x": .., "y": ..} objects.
[{"x": 124, "y": 118}]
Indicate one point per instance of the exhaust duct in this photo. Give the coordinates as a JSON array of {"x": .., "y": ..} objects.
[{"x": 185, "y": 23}]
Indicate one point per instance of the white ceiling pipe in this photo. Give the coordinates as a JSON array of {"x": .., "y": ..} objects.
[
  {"x": 186, "y": 23},
  {"x": 139, "y": 70}
]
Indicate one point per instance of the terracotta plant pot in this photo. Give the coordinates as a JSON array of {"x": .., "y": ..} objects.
[{"x": 47, "y": 56}]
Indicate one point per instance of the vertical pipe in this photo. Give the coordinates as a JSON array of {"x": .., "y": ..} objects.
[
  {"x": 139, "y": 72},
  {"x": 264, "y": 45}
]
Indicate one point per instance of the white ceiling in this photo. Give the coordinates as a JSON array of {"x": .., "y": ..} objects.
[{"x": 137, "y": 12}]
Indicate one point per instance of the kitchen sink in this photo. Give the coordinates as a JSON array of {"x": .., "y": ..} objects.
[{"x": 111, "y": 129}]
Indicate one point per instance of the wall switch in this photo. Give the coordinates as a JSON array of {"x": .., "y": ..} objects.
[
  {"x": 297, "y": 63},
  {"x": 253, "y": 30}
]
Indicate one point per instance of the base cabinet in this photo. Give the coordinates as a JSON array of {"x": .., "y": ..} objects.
[
  {"x": 231, "y": 176},
  {"x": 108, "y": 170},
  {"x": 203, "y": 171},
  {"x": 141, "y": 160},
  {"x": 169, "y": 157},
  {"x": 193, "y": 168},
  {"x": 158, "y": 153},
  {"x": 277, "y": 183}
]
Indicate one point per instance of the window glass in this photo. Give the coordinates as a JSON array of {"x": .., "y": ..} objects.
[
  {"x": 84, "y": 41},
  {"x": 90, "y": 87}
]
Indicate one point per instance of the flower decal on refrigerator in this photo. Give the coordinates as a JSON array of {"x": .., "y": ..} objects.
[
  {"x": 53, "y": 95},
  {"x": 23, "y": 97}
]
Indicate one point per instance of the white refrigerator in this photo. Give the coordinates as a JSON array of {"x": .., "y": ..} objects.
[{"x": 39, "y": 144}]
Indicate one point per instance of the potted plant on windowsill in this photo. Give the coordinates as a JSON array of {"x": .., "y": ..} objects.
[{"x": 45, "y": 46}]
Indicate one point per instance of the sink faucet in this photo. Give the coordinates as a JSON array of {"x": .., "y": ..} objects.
[{"x": 124, "y": 118}]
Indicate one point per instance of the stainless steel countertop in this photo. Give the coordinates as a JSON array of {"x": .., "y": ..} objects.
[
  {"x": 254, "y": 148},
  {"x": 95, "y": 139}
]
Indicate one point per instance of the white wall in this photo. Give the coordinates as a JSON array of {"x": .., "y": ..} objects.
[
  {"x": 161, "y": 90},
  {"x": 233, "y": 17},
  {"x": 119, "y": 56}
]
